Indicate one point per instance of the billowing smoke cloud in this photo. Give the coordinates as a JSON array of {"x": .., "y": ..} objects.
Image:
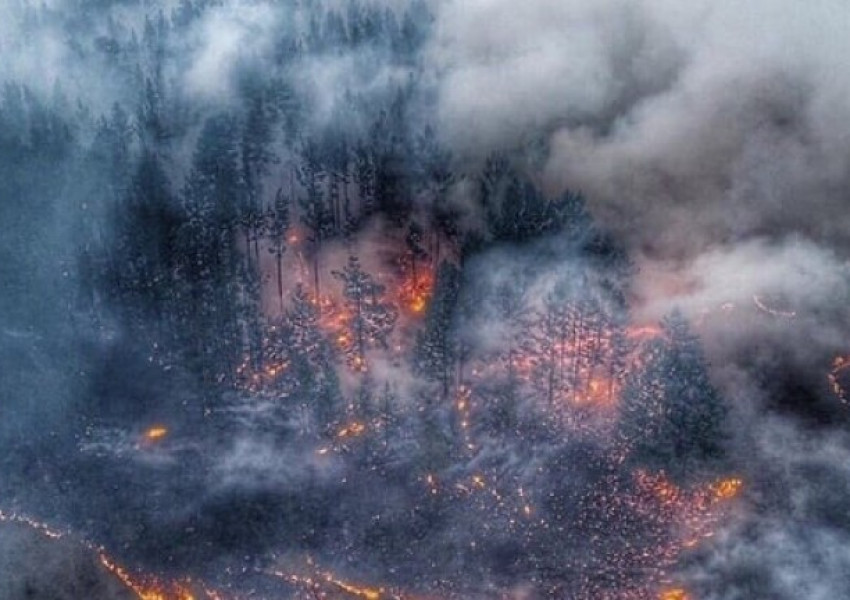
[{"x": 690, "y": 128}]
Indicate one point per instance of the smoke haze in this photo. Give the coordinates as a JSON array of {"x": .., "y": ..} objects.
[{"x": 710, "y": 141}]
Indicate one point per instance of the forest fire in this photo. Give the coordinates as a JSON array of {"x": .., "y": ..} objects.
[
  {"x": 415, "y": 291},
  {"x": 143, "y": 587},
  {"x": 151, "y": 588},
  {"x": 695, "y": 511},
  {"x": 315, "y": 279},
  {"x": 145, "y": 590}
]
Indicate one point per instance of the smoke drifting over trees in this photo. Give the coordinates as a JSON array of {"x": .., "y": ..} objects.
[{"x": 429, "y": 299}]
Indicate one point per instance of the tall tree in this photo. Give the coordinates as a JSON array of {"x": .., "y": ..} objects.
[
  {"x": 210, "y": 261},
  {"x": 370, "y": 318},
  {"x": 415, "y": 251},
  {"x": 314, "y": 211},
  {"x": 672, "y": 416},
  {"x": 435, "y": 351},
  {"x": 277, "y": 227}
]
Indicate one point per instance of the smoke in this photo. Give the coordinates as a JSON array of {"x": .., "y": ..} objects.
[
  {"x": 227, "y": 39},
  {"x": 710, "y": 137},
  {"x": 690, "y": 128}
]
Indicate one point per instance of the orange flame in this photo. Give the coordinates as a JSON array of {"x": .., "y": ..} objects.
[
  {"x": 156, "y": 433},
  {"x": 415, "y": 294},
  {"x": 674, "y": 594},
  {"x": 727, "y": 488},
  {"x": 351, "y": 430}
]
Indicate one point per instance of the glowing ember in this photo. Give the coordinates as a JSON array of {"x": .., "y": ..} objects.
[
  {"x": 674, "y": 594},
  {"x": 351, "y": 430},
  {"x": 41, "y": 528},
  {"x": 156, "y": 433},
  {"x": 645, "y": 332},
  {"x": 320, "y": 583},
  {"x": 728, "y": 488},
  {"x": 149, "y": 588}
]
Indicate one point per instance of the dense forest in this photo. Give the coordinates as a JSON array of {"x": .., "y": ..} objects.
[{"x": 280, "y": 338}]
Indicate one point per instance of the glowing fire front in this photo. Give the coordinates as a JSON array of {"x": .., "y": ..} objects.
[{"x": 144, "y": 587}]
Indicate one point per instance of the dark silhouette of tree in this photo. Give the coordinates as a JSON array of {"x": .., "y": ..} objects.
[
  {"x": 672, "y": 416},
  {"x": 257, "y": 157},
  {"x": 209, "y": 266},
  {"x": 435, "y": 351},
  {"x": 277, "y": 226},
  {"x": 369, "y": 317},
  {"x": 415, "y": 251},
  {"x": 314, "y": 212}
]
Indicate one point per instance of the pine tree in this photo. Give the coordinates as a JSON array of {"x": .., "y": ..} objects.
[
  {"x": 435, "y": 352},
  {"x": 144, "y": 255},
  {"x": 415, "y": 251},
  {"x": 548, "y": 345},
  {"x": 303, "y": 320},
  {"x": 278, "y": 224},
  {"x": 370, "y": 318},
  {"x": 256, "y": 159},
  {"x": 314, "y": 212},
  {"x": 672, "y": 417},
  {"x": 209, "y": 268}
]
